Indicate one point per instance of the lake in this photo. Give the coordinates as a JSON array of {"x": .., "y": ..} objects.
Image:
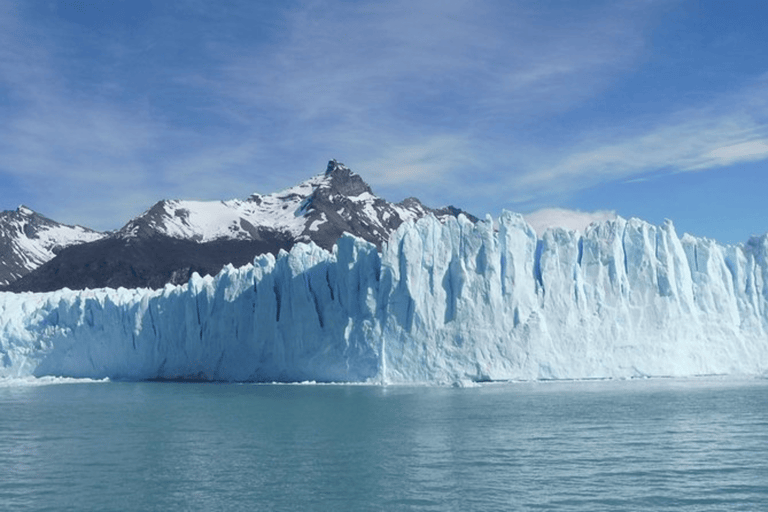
[{"x": 683, "y": 445}]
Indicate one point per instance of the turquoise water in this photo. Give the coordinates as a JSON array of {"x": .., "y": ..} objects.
[{"x": 639, "y": 445}]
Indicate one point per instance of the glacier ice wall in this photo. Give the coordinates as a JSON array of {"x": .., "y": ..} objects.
[{"x": 442, "y": 302}]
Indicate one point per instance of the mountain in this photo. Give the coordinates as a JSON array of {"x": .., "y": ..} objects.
[
  {"x": 320, "y": 210},
  {"x": 174, "y": 239},
  {"x": 443, "y": 302},
  {"x": 28, "y": 240}
]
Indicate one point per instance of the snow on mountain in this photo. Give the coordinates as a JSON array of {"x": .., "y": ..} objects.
[
  {"x": 28, "y": 239},
  {"x": 206, "y": 221},
  {"x": 174, "y": 239},
  {"x": 443, "y": 302},
  {"x": 317, "y": 210}
]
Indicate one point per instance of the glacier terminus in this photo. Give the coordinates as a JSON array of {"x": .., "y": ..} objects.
[{"x": 443, "y": 302}]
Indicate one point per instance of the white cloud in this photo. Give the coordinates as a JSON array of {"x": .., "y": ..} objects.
[
  {"x": 744, "y": 151},
  {"x": 573, "y": 220}
]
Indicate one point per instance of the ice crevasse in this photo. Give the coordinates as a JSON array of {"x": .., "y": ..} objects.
[{"x": 443, "y": 302}]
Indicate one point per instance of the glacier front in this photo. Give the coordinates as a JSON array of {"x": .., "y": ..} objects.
[{"x": 443, "y": 302}]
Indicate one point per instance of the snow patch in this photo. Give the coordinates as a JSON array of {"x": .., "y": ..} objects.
[{"x": 315, "y": 226}]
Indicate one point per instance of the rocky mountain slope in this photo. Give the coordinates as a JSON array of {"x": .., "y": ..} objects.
[{"x": 28, "y": 240}]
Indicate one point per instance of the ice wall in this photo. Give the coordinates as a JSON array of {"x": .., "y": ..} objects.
[{"x": 444, "y": 302}]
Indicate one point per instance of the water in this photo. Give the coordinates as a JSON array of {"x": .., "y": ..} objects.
[{"x": 641, "y": 445}]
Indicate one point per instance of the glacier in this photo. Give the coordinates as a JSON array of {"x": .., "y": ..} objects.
[{"x": 443, "y": 302}]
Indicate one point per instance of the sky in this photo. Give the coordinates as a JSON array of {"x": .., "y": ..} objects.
[{"x": 651, "y": 108}]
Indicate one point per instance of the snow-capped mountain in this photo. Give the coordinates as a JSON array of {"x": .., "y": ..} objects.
[
  {"x": 318, "y": 210},
  {"x": 446, "y": 302},
  {"x": 28, "y": 240},
  {"x": 174, "y": 238}
]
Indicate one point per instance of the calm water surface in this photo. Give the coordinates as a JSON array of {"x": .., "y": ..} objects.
[{"x": 641, "y": 445}]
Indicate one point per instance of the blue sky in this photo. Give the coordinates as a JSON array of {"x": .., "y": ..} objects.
[{"x": 654, "y": 108}]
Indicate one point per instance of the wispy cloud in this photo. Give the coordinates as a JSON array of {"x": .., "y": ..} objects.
[
  {"x": 427, "y": 161},
  {"x": 708, "y": 137},
  {"x": 426, "y": 98},
  {"x": 73, "y": 155}
]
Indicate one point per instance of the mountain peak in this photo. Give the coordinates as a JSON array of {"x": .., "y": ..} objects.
[
  {"x": 345, "y": 182},
  {"x": 24, "y": 210},
  {"x": 335, "y": 166}
]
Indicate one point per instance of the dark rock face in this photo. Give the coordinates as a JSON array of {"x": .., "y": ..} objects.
[
  {"x": 146, "y": 262},
  {"x": 344, "y": 181},
  {"x": 168, "y": 242},
  {"x": 347, "y": 205}
]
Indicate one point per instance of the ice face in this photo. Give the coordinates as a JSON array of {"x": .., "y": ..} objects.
[{"x": 444, "y": 302}]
